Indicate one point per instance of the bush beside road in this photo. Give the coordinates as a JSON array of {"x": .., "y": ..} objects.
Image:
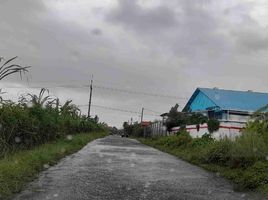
[
  {"x": 23, "y": 166},
  {"x": 243, "y": 160}
]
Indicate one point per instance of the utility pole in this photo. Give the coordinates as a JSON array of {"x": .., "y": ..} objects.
[
  {"x": 131, "y": 120},
  {"x": 90, "y": 97},
  {"x": 142, "y": 114}
]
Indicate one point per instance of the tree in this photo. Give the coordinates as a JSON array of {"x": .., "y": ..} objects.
[
  {"x": 175, "y": 118},
  {"x": 196, "y": 118},
  {"x": 213, "y": 125},
  {"x": 127, "y": 128},
  {"x": 134, "y": 129}
]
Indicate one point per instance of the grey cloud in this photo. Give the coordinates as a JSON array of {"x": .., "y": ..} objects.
[
  {"x": 251, "y": 40},
  {"x": 132, "y": 15},
  {"x": 247, "y": 34},
  {"x": 190, "y": 32},
  {"x": 96, "y": 31},
  {"x": 169, "y": 49}
]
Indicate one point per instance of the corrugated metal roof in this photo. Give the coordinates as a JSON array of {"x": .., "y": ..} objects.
[{"x": 236, "y": 100}]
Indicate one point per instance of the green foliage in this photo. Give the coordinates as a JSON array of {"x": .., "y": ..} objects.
[
  {"x": 21, "y": 167},
  {"x": 176, "y": 118},
  {"x": 256, "y": 176},
  {"x": 259, "y": 128},
  {"x": 261, "y": 114},
  {"x": 135, "y": 129},
  {"x": 219, "y": 152},
  {"x": 243, "y": 159},
  {"x": 196, "y": 118},
  {"x": 205, "y": 140},
  {"x": 213, "y": 125},
  {"x": 37, "y": 119},
  {"x": 249, "y": 148},
  {"x": 181, "y": 139}
]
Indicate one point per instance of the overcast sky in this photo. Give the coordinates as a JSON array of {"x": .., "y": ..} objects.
[{"x": 159, "y": 47}]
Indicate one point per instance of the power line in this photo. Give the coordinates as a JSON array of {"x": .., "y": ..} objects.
[
  {"x": 57, "y": 81},
  {"x": 137, "y": 92},
  {"x": 152, "y": 111},
  {"x": 81, "y": 81},
  {"x": 49, "y": 87},
  {"x": 117, "y": 109},
  {"x": 113, "y": 89}
]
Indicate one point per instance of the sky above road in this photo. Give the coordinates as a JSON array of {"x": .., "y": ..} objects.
[{"x": 143, "y": 53}]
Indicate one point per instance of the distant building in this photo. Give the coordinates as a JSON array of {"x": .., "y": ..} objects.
[
  {"x": 226, "y": 105},
  {"x": 232, "y": 108}
]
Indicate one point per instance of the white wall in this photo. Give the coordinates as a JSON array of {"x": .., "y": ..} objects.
[
  {"x": 227, "y": 129},
  {"x": 238, "y": 118}
]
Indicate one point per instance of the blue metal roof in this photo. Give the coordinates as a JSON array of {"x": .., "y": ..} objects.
[{"x": 233, "y": 100}]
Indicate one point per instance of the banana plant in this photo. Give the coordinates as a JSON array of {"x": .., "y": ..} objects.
[
  {"x": 2, "y": 100},
  {"x": 70, "y": 109},
  {"x": 7, "y": 68},
  {"x": 37, "y": 100}
]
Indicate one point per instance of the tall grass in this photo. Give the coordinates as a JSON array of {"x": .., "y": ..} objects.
[
  {"x": 37, "y": 119},
  {"x": 19, "y": 168},
  {"x": 244, "y": 160}
]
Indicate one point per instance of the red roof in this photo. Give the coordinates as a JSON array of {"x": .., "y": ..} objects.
[{"x": 145, "y": 123}]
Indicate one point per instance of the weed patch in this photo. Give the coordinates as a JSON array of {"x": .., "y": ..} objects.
[
  {"x": 21, "y": 167},
  {"x": 243, "y": 160}
]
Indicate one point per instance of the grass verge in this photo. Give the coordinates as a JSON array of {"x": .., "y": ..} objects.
[
  {"x": 21, "y": 167},
  {"x": 253, "y": 177}
]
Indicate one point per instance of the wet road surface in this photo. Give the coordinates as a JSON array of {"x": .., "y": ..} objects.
[{"x": 117, "y": 168}]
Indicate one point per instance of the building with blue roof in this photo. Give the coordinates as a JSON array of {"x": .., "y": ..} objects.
[{"x": 226, "y": 105}]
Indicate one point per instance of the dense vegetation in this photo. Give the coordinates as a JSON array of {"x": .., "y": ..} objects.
[
  {"x": 23, "y": 166},
  {"x": 176, "y": 118},
  {"x": 37, "y": 119},
  {"x": 36, "y": 132},
  {"x": 244, "y": 160},
  {"x": 134, "y": 129}
]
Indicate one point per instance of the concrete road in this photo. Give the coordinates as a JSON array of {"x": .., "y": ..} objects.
[{"x": 117, "y": 168}]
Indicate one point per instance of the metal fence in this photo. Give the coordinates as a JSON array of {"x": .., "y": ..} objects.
[{"x": 155, "y": 129}]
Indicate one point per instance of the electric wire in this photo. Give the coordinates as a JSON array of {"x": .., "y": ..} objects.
[
  {"x": 117, "y": 109},
  {"x": 136, "y": 92},
  {"x": 111, "y": 89}
]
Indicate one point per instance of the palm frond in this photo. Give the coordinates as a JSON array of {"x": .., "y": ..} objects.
[
  {"x": 6, "y": 70},
  {"x": 8, "y": 61}
]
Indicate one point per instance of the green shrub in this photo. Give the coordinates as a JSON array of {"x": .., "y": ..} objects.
[
  {"x": 181, "y": 139},
  {"x": 220, "y": 152},
  {"x": 23, "y": 126},
  {"x": 249, "y": 148},
  {"x": 243, "y": 159},
  {"x": 204, "y": 141},
  {"x": 256, "y": 176},
  {"x": 213, "y": 125}
]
